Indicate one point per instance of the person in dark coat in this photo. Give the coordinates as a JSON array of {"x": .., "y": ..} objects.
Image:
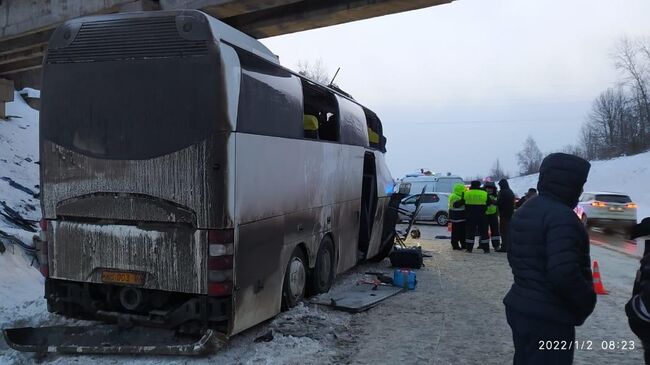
[
  {"x": 637, "y": 309},
  {"x": 549, "y": 256},
  {"x": 531, "y": 193},
  {"x": 506, "y": 208},
  {"x": 492, "y": 233}
]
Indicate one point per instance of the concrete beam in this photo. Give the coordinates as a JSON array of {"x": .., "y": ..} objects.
[
  {"x": 21, "y": 17},
  {"x": 304, "y": 15},
  {"x": 25, "y": 26}
]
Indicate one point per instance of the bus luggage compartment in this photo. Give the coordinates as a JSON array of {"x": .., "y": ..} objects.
[{"x": 162, "y": 257}]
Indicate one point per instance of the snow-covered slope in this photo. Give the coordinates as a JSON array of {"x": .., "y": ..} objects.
[
  {"x": 629, "y": 175},
  {"x": 21, "y": 285},
  {"x": 19, "y": 170}
]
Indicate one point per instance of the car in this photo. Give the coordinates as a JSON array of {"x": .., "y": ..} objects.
[
  {"x": 433, "y": 207},
  {"x": 608, "y": 210},
  {"x": 430, "y": 183}
]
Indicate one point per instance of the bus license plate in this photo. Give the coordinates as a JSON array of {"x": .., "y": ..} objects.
[{"x": 121, "y": 277}]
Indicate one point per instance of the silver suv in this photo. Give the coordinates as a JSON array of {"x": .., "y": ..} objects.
[{"x": 433, "y": 207}]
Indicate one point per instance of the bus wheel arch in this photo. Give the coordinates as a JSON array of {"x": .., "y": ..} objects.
[{"x": 324, "y": 271}]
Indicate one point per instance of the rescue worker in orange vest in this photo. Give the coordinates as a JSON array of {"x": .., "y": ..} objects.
[
  {"x": 457, "y": 217},
  {"x": 475, "y": 200}
]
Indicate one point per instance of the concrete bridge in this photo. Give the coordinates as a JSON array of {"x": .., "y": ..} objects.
[{"x": 26, "y": 26}]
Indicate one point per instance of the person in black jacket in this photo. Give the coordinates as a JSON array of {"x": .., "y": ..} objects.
[
  {"x": 531, "y": 193},
  {"x": 638, "y": 308},
  {"x": 549, "y": 256},
  {"x": 506, "y": 208},
  {"x": 475, "y": 201}
]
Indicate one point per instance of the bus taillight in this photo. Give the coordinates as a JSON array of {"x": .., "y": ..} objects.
[
  {"x": 220, "y": 289},
  {"x": 220, "y": 262}
]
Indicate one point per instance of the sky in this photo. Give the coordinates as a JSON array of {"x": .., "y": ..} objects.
[{"x": 461, "y": 85}]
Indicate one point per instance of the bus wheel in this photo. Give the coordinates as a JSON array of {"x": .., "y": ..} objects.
[
  {"x": 323, "y": 276},
  {"x": 295, "y": 280}
]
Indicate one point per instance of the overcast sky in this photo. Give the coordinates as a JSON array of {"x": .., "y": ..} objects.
[{"x": 459, "y": 85}]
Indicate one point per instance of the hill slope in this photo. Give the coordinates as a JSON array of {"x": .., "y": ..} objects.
[{"x": 629, "y": 175}]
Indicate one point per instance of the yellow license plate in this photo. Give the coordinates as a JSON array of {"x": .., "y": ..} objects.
[{"x": 121, "y": 277}]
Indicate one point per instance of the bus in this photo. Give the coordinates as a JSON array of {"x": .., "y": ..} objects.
[{"x": 190, "y": 181}]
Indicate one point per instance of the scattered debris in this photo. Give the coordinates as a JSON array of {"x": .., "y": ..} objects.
[
  {"x": 16, "y": 185},
  {"x": 357, "y": 298},
  {"x": 267, "y": 337},
  {"x": 14, "y": 218}
]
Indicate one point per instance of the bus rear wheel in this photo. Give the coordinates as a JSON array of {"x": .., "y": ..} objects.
[
  {"x": 323, "y": 274},
  {"x": 295, "y": 280}
]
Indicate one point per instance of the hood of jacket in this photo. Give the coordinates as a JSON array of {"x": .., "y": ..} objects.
[
  {"x": 562, "y": 177},
  {"x": 503, "y": 184},
  {"x": 459, "y": 189}
]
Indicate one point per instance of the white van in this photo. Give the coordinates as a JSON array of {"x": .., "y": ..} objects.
[{"x": 430, "y": 183}]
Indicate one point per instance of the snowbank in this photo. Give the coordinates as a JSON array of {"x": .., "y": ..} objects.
[
  {"x": 18, "y": 167},
  {"x": 30, "y": 93},
  {"x": 629, "y": 175}
]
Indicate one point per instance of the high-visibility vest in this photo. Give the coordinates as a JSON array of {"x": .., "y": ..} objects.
[
  {"x": 491, "y": 209},
  {"x": 476, "y": 197}
]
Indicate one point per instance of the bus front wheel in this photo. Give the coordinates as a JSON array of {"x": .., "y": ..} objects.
[
  {"x": 295, "y": 280},
  {"x": 323, "y": 274}
]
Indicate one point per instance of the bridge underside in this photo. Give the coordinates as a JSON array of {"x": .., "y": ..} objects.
[{"x": 27, "y": 28}]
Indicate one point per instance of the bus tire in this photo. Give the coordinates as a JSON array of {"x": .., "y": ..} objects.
[
  {"x": 295, "y": 280},
  {"x": 323, "y": 275}
]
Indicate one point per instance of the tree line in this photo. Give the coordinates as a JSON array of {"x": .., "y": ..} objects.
[{"x": 619, "y": 121}]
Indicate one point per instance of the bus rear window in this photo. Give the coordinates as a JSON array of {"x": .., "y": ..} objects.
[{"x": 127, "y": 107}]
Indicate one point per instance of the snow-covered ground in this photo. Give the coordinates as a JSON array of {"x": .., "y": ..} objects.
[
  {"x": 629, "y": 175},
  {"x": 19, "y": 168}
]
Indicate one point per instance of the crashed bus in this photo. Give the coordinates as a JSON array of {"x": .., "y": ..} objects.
[{"x": 190, "y": 182}]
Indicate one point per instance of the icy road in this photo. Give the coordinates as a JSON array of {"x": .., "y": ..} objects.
[{"x": 455, "y": 316}]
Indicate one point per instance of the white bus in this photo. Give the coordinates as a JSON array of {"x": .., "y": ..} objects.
[{"x": 190, "y": 181}]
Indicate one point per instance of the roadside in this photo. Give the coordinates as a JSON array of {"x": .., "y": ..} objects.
[{"x": 455, "y": 316}]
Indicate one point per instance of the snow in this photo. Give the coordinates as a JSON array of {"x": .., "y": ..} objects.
[
  {"x": 30, "y": 93},
  {"x": 628, "y": 175},
  {"x": 18, "y": 165}
]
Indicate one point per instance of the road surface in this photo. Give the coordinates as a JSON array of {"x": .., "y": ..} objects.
[{"x": 455, "y": 316}]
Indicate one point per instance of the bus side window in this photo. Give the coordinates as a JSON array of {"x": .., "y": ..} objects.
[
  {"x": 375, "y": 131},
  {"x": 354, "y": 130},
  {"x": 320, "y": 113},
  {"x": 270, "y": 101}
]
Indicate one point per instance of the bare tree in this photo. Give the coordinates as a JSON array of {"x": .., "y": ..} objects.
[
  {"x": 529, "y": 158},
  {"x": 629, "y": 60},
  {"x": 619, "y": 121},
  {"x": 497, "y": 172},
  {"x": 574, "y": 149},
  {"x": 315, "y": 70}
]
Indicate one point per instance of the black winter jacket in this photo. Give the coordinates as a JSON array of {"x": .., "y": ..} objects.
[
  {"x": 549, "y": 248},
  {"x": 505, "y": 200}
]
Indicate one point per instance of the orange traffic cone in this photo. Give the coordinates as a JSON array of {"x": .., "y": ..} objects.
[
  {"x": 449, "y": 227},
  {"x": 598, "y": 284}
]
